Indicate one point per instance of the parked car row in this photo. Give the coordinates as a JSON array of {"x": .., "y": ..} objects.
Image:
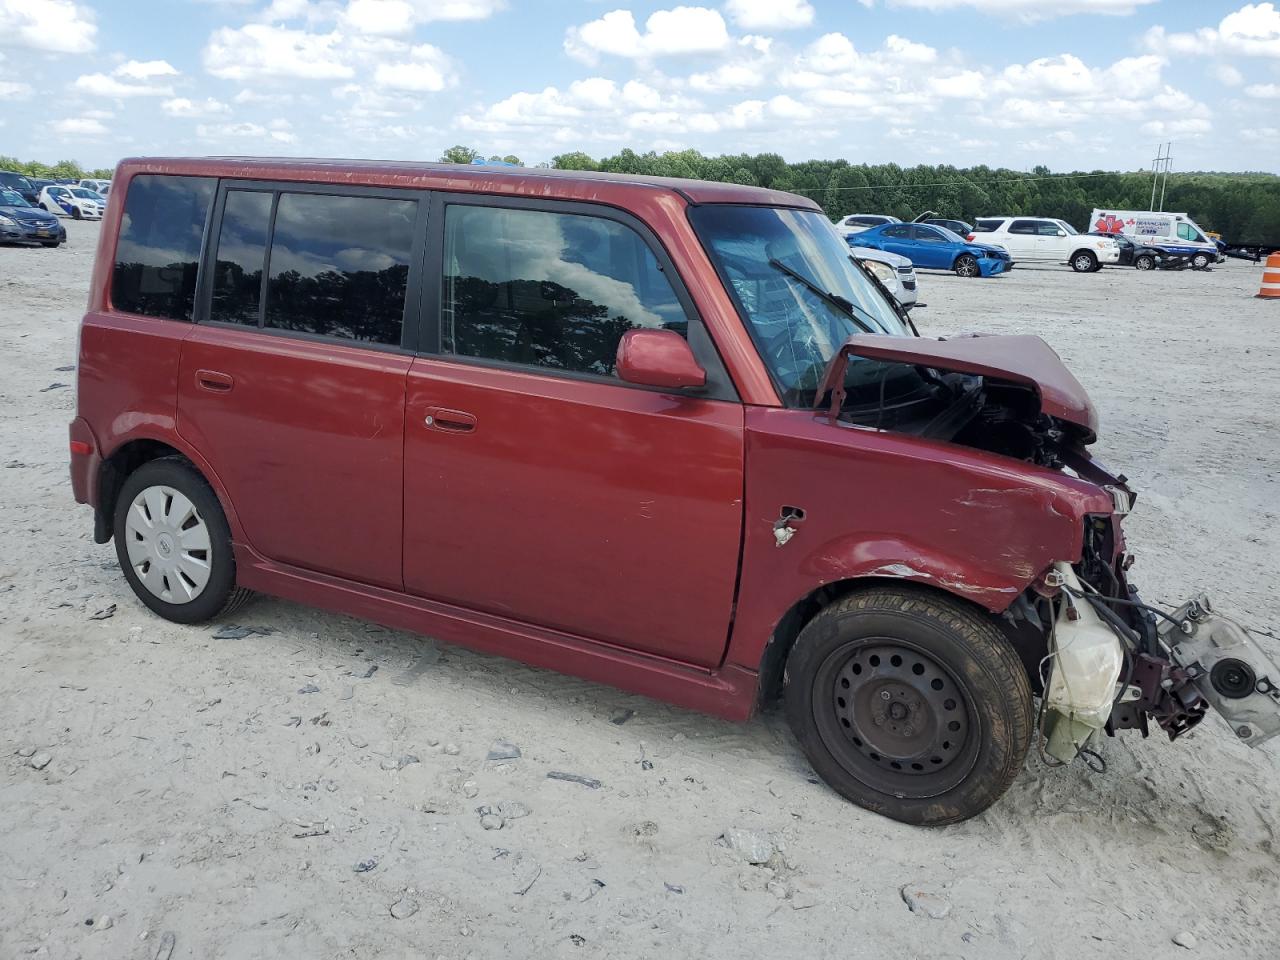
[
  {"x": 992, "y": 245},
  {"x": 30, "y": 188},
  {"x": 20, "y": 222}
]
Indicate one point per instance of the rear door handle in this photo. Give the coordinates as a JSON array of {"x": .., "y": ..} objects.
[
  {"x": 449, "y": 421},
  {"x": 214, "y": 381}
]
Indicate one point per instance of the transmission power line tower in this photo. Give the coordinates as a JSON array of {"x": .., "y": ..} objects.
[{"x": 1161, "y": 165}]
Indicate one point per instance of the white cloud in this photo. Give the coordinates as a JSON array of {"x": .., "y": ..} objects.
[
  {"x": 81, "y": 127},
  {"x": 427, "y": 70},
  {"x": 60, "y": 26},
  {"x": 263, "y": 50},
  {"x": 145, "y": 70},
  {"x": 1252, "y": 31},
  {"x": 1263, "y": 91},
  {"x": 1191, "y": 126},
  {"x": 182, "y": 107},
  {"x": 770, "y": 14},
  {"x": 101, "y": 85},
  {"x": 278, "y": 131},
  {"x": 379, "y": 16},
  {"x": 681, "y": 30},
  {"x": 1226, "y": 75},
  {"x": 1029, "y": 9},
  {"x": 14, "y": 91}
]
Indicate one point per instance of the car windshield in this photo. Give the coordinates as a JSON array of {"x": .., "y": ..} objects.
[
  {"x": 11, "y": 198},
  {"x": 792, "y": 276},
  {"x": 1071, "y": 231}
]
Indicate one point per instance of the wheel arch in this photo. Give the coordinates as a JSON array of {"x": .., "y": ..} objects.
[
  {"x": 1028, "y": 643},
  {"x": 131, "y": 454}
]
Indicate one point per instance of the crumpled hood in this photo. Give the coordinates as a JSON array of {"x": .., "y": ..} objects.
[{"x": 1021, "y": 359}]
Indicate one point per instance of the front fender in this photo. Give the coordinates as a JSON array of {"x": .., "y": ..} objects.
[{"x": 884, "y": 505}]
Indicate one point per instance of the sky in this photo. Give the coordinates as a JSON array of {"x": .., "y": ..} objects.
[{"x": 1068, "y": 84}]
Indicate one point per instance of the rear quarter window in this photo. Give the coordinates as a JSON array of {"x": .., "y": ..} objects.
[
  {"x": 986, "y": 226},
  {"x": 158, "y": 251}
]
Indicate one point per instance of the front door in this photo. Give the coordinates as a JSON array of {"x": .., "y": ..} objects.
[
  {"x": 538, "y": 486},
  {"x": 294, "y": 389}
]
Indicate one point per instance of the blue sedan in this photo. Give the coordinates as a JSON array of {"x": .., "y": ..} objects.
[{"x": 935, "y": 248}]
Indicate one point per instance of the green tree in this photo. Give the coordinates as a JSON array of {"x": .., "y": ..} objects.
[{"x": 459, "y": 154}]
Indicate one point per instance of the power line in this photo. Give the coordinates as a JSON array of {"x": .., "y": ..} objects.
[{"x": 958, "y": 183}]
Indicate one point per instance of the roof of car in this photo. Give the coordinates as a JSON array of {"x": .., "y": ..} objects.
[{"x": 481, "y": 178}]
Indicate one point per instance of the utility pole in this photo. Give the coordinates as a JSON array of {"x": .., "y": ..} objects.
[{"x": 1161, "y": 165}]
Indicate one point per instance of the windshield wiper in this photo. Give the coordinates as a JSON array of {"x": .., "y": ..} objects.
[{"x": 833, "y": 299}]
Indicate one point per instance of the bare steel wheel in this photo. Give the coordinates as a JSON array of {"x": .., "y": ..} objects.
[
  {"x": 168, "y": 544},
  {"x": 900, "y": 718},
  {"x": 909, "y": 703},
  {"x": 174, "y": 544}
]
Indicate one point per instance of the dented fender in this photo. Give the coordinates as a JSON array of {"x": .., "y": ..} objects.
[{"x": 877, "y": 504}]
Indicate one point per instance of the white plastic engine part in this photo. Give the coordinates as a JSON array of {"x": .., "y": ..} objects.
[{"x": 1085, "y": 668}]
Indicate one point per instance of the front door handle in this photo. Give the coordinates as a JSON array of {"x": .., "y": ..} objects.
[
  {"x": 214, "y": 381},
  {"x": 449, "y": 421}
]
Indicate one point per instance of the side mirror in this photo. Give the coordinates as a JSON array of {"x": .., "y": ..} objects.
[
  {"x": 658, "y": 358},
  {"x": 1062, "y": 233}
]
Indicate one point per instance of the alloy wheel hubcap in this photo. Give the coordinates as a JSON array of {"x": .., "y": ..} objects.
[{"x": 168, "y": 544}]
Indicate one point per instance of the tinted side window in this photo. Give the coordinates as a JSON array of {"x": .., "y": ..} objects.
[
  {"x": 340, "y": 266},
  {"x": 548, "y": 289},
  {"x": 159, "y": 247},
  {"x": 986, "y": 226},
  {"x": 897, "y": 230},
  {"x": 1022, "y": 226},
  {"x": 242, "y": 251},
  {"x": 928, "y": 233},
  {"x": 1047, "y": 228}
]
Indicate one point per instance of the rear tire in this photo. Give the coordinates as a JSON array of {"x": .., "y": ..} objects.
[
  {"x": 966, "y": 265},
  {"x": 910, "y": 704},
  {"x": 1082, "y": 261},
  {"x": 194, "y": 579}
]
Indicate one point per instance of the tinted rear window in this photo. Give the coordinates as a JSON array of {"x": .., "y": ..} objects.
[
  {"x": 340, "y": 266},
  {"x": 986, "y": 226},
  {"x": 159, "y": 247}
]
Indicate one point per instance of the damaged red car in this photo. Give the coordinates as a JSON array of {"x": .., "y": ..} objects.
[{"x": 661, "y": 434}]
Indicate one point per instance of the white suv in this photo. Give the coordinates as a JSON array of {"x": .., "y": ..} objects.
[
  {"x": 1031, "y": 239},
  {"x": 857, "y": 222}
]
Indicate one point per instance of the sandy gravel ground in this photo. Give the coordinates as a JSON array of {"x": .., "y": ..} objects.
[{"x": 197, "y": 802}]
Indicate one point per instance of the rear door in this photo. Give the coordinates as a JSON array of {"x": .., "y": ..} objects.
[
  {"x": 293, "y": 382},
  {"x": 1021, "y": 241},
  {"x": 933, "y": 249},
  {"x": 898, "y": 239},
  {"x": 538, "y": 486}
]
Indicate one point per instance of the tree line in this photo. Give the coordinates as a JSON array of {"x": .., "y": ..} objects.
[
  {"x": 1242, "y": 207},
  {"x": 62, "y": 170}
]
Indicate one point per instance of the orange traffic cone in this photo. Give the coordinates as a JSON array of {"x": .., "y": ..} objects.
[{"x": 1271, "y": 278}]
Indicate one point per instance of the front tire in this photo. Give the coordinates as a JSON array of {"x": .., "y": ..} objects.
[
  {"x": 966, "y": 265},
  {"x": 910, "y": 704},
  {"x": 174, "y": 544},
  {"x": 1145, "y": 262},
  {"x": 1082, "y": 261},
  {"x": 1199, "y": 261},
  {"x": 75, "y": 212}
]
